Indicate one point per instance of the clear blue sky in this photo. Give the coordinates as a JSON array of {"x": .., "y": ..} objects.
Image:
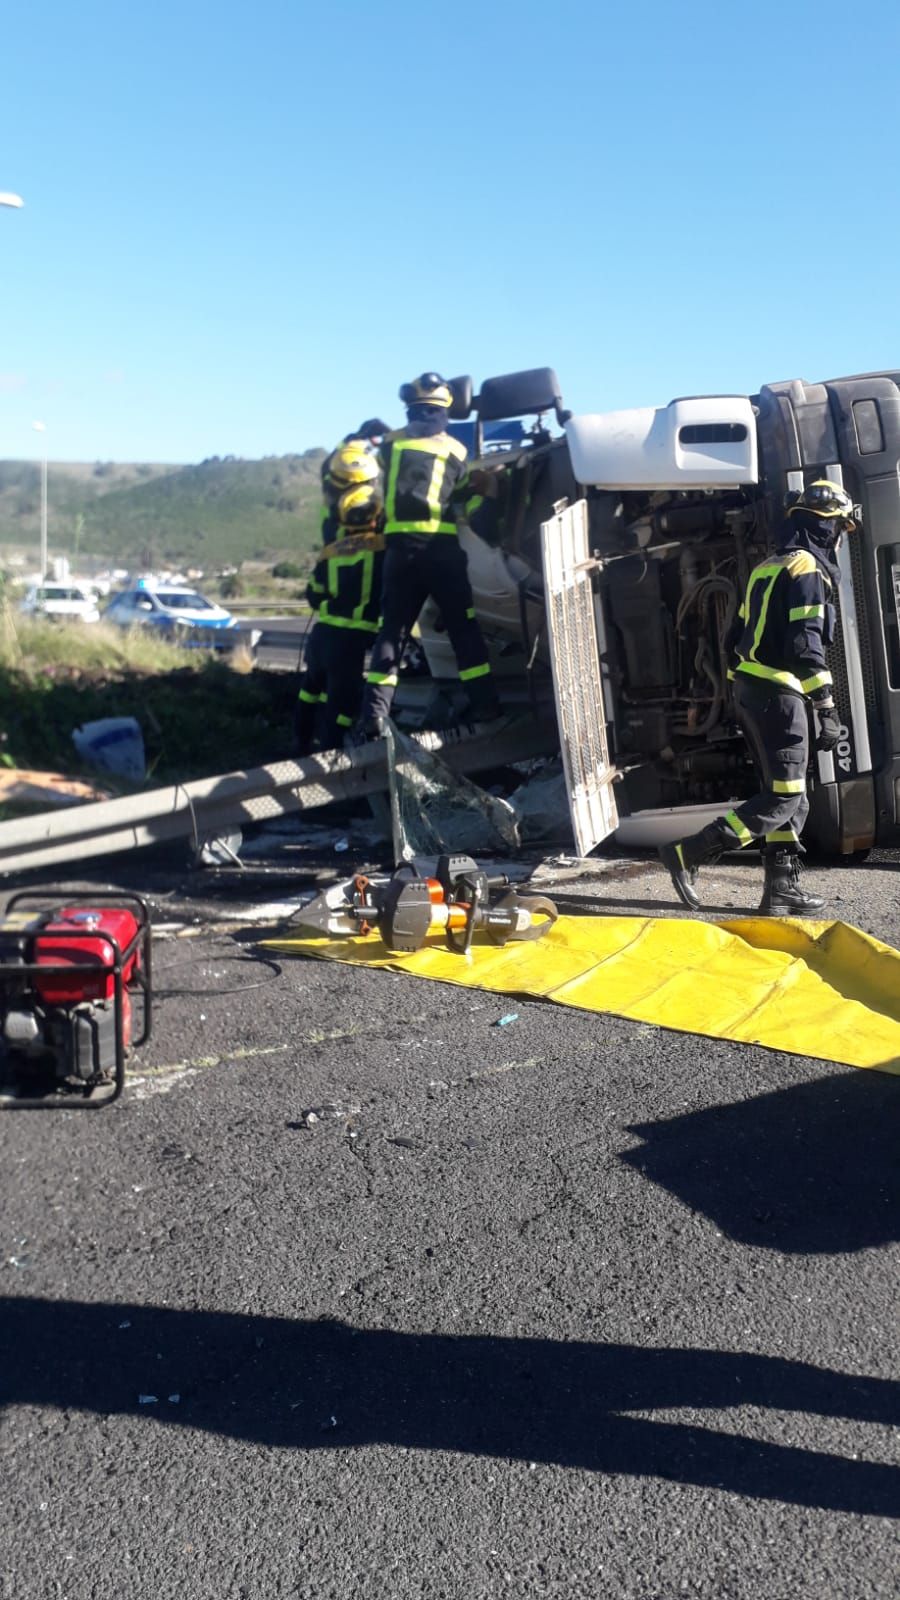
[{"x": 245, "y": 225}]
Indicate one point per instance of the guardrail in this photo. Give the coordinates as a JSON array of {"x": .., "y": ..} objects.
[
  {"x": 273, "y": 603},
  {"x": 207, "y": 807},
  {"x": 272, "y": 639}
]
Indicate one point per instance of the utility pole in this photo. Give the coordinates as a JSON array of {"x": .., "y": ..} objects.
[{"x": 41, "y": 427}]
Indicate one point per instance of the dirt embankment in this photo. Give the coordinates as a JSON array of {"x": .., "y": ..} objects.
[{"x": 196, "y": 721}]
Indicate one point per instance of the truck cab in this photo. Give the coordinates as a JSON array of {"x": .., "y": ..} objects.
[{"x": 679, "y": 502}]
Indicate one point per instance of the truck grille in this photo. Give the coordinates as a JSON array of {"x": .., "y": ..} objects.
[{"x": 577, "y": 680}]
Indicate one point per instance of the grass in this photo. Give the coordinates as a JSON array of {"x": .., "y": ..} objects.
[
  {"x": 199, "y": 715},
  {"x": 34, "y": 644}
]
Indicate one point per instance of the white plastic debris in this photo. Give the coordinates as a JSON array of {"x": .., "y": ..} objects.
[{"x": 114, "y": 743}]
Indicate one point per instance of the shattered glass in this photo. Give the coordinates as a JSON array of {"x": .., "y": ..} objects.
[{"x": 434, "y": 809}]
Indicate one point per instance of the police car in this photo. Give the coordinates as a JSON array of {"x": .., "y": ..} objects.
[{"x": 183, "y": 614}]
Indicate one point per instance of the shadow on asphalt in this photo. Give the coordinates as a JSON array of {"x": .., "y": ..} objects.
[
  {"x": 609, "y": 905},
  {"x": 325, "y": 1385},
  {"x": 812, "y": 1169}
]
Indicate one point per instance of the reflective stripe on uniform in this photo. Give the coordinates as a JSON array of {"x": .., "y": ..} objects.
[
  {"x": 347, "y": 622},
  {"x": 758, "y": 669},
  {"x": 798, "y": 563},
  {"x": 771, "y": 572},
  {"x": 819, "y": 680},
  {"x": 343, "y": 721},
  {"x": 441, "y": 450},
  {"x": 311, "y": 699},
  {"x": 390, "y": 678},
  {"x": 470, "y": 614},
  {"x": 782, "y": 836},
  {"x": 365, "y": 560},
  {"x": 788, "y": 785},
  {"x": 352, "y": 544},
  {"x": 475, "y": 672},
  {"x": 744, "y": 836},
  {"x": 434, "y": 490}
]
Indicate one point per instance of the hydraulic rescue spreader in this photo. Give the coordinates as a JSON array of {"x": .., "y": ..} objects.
[{"x": 459, "y": 899}]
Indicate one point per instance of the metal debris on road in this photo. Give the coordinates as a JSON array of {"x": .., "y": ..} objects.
[{"x": 329, "y": 1111}]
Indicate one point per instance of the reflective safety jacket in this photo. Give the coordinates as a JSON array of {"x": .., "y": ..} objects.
[
  {"x": 345, "y": 588},
  {"x": 786, "y": 620},
  {"x": 421, "y": 472}
]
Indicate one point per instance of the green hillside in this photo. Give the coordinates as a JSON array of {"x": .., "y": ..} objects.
[{"x": 220, "y": 511}]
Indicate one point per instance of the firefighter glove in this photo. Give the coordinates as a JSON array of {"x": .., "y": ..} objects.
[{"x": 829, "y": 725}]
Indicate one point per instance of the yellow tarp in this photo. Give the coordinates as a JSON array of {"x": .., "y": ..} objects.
[{"x": 820, "y": 989}]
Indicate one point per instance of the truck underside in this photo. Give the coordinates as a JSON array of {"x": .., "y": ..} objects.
[{"x": 672, "y": 567}]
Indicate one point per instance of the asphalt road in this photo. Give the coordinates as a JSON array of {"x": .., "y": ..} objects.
[
  {"x": 284, "y": 656},
  {"x": 572, "y": 1307}
]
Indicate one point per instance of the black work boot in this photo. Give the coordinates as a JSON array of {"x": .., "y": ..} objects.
[
  {"x": 484, "y": 704},
  {"x": 783, "y": 895},
  {"x": 364, "y": 732},
  {"x": 684, "y": 858}
]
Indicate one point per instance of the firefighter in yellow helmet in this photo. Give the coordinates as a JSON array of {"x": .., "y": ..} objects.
[
  {"x": 423, "y": 465},
  {"x": 780, "y": 675},
  {"x": 352, "y": 464},
  {"x": 345, "y": 592}
]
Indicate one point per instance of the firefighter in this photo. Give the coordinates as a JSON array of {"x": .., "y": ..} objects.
[
  {"x": 423, "y": 467},
  {"x": 781, "y": 633},
  {"x": 352, "y": 463},
  {"x": 345, "y": 591}
]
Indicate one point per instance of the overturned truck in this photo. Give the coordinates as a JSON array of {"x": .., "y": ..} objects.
[{"x": 652, "y": 519}]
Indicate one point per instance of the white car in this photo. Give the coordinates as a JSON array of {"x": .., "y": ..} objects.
[{"x": 61, "y": 601}]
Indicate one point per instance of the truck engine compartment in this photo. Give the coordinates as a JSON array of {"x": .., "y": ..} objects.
[
  {"x": 673, "y": 566},
  {"x": 669, "y": 599}
]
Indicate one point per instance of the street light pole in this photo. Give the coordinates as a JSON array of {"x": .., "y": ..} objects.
[
  {"x": 15, "y": 201},
  {"x": 41, "y": 427}
]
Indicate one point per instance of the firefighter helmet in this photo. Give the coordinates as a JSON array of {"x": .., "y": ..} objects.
[
  {"x": 429, "y": 389},
  {"x": 825, "y": 500},
  {"x": 359, "y": 507},
  {"x": 352, "y": 463}
]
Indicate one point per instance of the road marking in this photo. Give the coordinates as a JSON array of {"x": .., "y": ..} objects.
[{"x": 149, "y": 1081}]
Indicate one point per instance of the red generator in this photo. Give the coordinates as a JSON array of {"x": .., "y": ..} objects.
[{"x": 70, "y": 970}]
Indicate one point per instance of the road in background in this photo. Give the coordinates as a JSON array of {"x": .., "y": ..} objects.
[
  {"x": 281, "y": 646},
  {"x": 574, "y": 1307}
]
